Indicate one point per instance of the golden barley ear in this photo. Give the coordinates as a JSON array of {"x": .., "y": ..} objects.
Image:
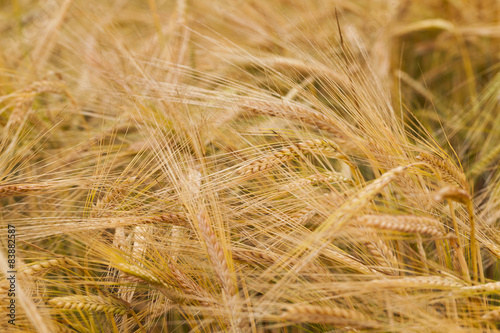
[
  {"x": 23, "y": 189},
  {"x": 92, "y": 303},
  {"x": 316, "y": 146},
  {"x": 42, "y": 267},
  {"x": 288, "y": 110},
  {"x": 450, "y": 173},
  {"x": 411, "y": 224}
]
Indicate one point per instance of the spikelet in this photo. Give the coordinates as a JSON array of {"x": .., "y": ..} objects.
[
  {"x": 315, "y": 146},
  {"x": 407, "y": 223},
  {"x": 91, "y": 303}
]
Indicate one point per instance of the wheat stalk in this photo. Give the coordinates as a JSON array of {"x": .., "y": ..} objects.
[{"x": 462, "y": 196}]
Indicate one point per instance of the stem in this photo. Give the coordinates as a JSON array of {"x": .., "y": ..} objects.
[
  {"x": 470, "y": 210},
  {"x": 458, "y": 245}
]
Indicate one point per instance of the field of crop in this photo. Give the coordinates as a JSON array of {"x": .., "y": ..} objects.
[{"x": 250, "y": 166}]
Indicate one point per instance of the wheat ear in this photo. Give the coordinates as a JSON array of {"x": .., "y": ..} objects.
[
  {"x": 302, "y": 216},
  {"x": 450, "y": 173},
  {"x": 142, "y": 274},
  {"x": 487, "y": 287},
  {"x": 91, "y": 303},
  {"x": 410, "y": 224},
  {"x": 173, "y": 218},
  {"x": 218, "y": 259},
  {"x": 283, "y": 155},
  {"x": 21, "y": 189},
  {"x": 42, "y": 267},
  {"x": 431, "y": 282},
  {"x": 216, "y": 254},
  {"x": 384, "y": 256},
  {"x": 347, "y": 211}
]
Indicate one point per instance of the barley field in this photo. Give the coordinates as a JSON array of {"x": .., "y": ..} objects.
[{"x": 250, "y": 166}]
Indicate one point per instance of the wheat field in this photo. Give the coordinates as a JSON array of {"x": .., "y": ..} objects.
[{"x": 250, "y": 166}]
